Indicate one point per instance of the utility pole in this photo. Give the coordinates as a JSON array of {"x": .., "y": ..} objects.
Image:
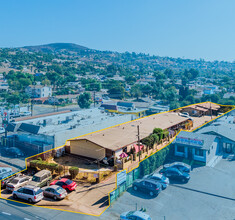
[
  {"x": 31, "y": 107},
  {"x": 33, "y": 96},
  {"x": 94, "y": 99},
  {"x": 138, "y": 135},
  {"x": 211, "y": 110}
]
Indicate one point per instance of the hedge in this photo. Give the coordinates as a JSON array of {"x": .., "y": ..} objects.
[
  {"x": 73, "y": 171},
  {"x": 150, "y": 164}
]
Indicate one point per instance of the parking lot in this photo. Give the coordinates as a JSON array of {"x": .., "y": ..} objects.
[
  {"x": 86, "y": 198},
  {"x": 209, "y": 194}
]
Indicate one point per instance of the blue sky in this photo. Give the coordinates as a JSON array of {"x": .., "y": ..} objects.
[{"x": 177, "y": 28}]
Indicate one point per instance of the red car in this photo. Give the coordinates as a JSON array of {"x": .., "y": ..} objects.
[{"x": 65, "y": 184}]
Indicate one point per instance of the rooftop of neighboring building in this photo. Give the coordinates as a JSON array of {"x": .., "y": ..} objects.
[
  {"x": 203, "y": 141},
  {"x": 224, "y": 129}
]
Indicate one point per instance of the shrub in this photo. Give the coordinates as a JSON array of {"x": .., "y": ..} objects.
[
  {"x": 52, "y": 167},
  {"x": 73, "y": 171},
  {"x": 159, "y": 132},
  {"x": 39, "y": 159},
  {"x": 33, "y": 163},
  {"x": 42, "y": 165},
  {"x": 59, "y": 169}
]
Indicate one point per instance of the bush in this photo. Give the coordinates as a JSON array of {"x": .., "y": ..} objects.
[
  {"x": 73, "y": 171},
  {"x": 39, "y": 159},
  {"x": 159, "y": 132},
  {"x": 59, "y": 169},
  {"x": 33, "y": 163},
  {"x": 52, "y": 167},
  {"x": 42, "y": 165}
]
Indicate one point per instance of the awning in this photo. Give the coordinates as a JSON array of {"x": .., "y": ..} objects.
[
  {"x": 137, "y": 148},
  {"x": 123, "y": 155}
]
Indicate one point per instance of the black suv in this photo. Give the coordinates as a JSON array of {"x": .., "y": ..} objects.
[
  {"x": 147, "y": 186},
  {"x": 175, "y": 174}
]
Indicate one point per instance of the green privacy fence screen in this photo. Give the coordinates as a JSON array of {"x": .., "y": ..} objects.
[{"x": 130, "y": 178}]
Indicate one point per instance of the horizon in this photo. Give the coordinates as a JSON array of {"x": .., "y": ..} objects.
[
  {"x": 182, "y": 29},
  {"x": 119, "y": 52}
]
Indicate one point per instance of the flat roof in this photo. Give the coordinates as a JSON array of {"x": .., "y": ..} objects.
[
  {"x": 204, "y": 106},
  {"x": 41, "y": 116},
  {"x": 122, "y": 135}
]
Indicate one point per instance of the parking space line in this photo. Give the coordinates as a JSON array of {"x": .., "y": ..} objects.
[{"x": 5, "y": 213}]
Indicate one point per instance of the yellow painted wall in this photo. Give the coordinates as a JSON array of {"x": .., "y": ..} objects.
[{"x": 86, "y": 149}]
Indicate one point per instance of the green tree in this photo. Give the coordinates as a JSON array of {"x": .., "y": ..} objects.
[
  {"x": 84, "y": 100},
  {"x": 136, "y": 91},
  {"x": 117, "y": 92}
]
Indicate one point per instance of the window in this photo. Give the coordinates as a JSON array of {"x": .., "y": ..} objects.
[
  {"x": 199, "y": 152},
  {"x": 20, "y": 190},
  {"x": 28, "y": 191},
  {"x": 180, "y": 149}
]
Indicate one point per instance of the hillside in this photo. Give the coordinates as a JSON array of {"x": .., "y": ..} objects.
[{"x": 54, "y": 47}]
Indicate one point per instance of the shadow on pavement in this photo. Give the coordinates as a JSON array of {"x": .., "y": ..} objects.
[
  {"x": 94, "y": 187},
  {"x": 18, "y": 202},
  {"x": 140, "y": 194},
  {"x": 206, "y": 193},
  {"x": 103, "y": 201}
]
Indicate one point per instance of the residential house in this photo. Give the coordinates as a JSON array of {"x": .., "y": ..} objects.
[{"x": 39, "y": 91}]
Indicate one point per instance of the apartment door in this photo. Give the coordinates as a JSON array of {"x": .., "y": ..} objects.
[{"x": 190, "y": 153}]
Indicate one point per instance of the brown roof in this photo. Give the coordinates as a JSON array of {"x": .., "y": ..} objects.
[
  {"x": 204, "y": 106},
  {"x": 197, "y": 108},
  {"x": 122, "y": 135},
  {"x": 209, "y": 105}
]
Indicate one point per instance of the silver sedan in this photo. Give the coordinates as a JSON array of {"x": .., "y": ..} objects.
[{"x": 55, "y": 192}]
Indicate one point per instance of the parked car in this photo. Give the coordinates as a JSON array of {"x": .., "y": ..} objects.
[
  {"x": 138, "y": 215},
  {"x": 18, "y": 182},
  {"x": 26, "y": 113},
  {"x": 65, "y": 184},
  {"x": 14, "y": 151},
  {"x": 2, "y": 130},
  {"x": 29, "y": 193},
  {"x": 175, "y": 174},
  {"x": 5, "y": 172},
  {"x": 41, "y": 178},
  {"x": 148, "y": 186},
  {"x": 54, "y": 191},
  {"x": 180, "y": 166},
  {"x": 184, "y": 114},
  {"x": 159, "y": 178},
  {"x": 7, "y": 180}
]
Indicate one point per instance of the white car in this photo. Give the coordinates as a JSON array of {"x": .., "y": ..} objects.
[
  {"x": 5, "y": 172},
  {"x": 18, "y": 182},
  {"x": 2, "y": 130},
  {"x": 27, "y": 113},
  {"x": 184, "y": 114},
  {"x": 135, "y": 215},
  {"x": 29, "y": 193}
]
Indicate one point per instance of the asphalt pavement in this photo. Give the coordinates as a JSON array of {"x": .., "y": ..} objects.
[{"x": 208, "y": 195}]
